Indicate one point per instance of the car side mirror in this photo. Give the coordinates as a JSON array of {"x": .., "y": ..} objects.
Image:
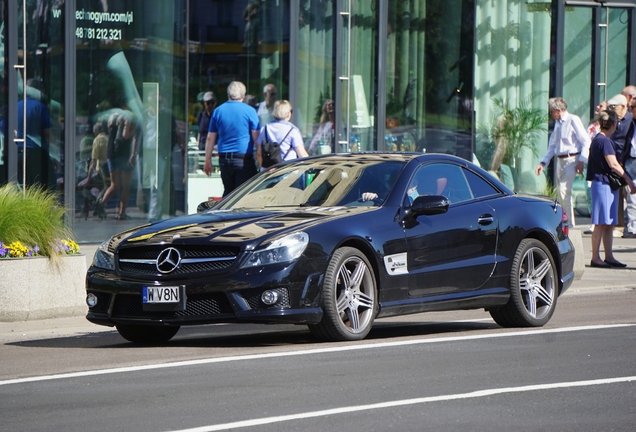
[
  {"x": 429, "y": 205},
  {"x": 206, "y": 205}
]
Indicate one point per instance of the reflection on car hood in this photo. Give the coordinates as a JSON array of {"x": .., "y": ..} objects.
[{"x": 232, "y": 226}]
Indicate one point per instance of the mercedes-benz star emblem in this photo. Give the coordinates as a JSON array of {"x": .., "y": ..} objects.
[{"x": 168, "y": 260}]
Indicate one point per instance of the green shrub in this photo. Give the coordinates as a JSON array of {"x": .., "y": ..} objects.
[{"x": 34, "y": 220}]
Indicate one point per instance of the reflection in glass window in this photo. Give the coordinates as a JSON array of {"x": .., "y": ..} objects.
[
  {"x": 318, "y": 183},
  {"x": 513, "y": 52},
  {"x": 429, "y": 80},
  {"x": 42, "y": 91},
  {"x": 479, "y": 186},
  {"x": 440, "y": 179},
  {"x": 3, "y": 98},
  {"x": 315, "y": 75},
  {"x": 130, "y": 120},
  {"x": 361, "y": 68},
  {"x": 241, "y": 40}
]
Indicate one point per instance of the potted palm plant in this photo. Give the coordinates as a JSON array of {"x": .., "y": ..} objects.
[{"x": 511, "y": 130}]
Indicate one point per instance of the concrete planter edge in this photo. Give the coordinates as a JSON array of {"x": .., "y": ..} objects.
[{"x": 35, "y": 289}]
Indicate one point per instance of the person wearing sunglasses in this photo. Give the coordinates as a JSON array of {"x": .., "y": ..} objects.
[{"x": 629, "y": 163}]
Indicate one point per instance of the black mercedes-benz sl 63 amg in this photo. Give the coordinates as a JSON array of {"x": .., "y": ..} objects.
[{"x": 334, "y": 242}]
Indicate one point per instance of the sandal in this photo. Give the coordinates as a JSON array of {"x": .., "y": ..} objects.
[{"x": 123, "y": 216}]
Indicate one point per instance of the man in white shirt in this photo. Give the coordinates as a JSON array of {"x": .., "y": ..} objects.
[{"x": 570, "y": 143}]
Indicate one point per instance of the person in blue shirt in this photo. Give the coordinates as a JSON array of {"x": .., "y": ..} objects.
[
  {"x": 39, "y": 166},
  {"x": 233, "y": 130}
]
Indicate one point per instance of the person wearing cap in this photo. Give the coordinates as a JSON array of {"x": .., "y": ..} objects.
[
  {"x": 628, "y": 160},
  {"x": 618, "y": 104},
  {"x": 570, "y": 143},
  {"x": 234, "y": 130},
  {"x": 203, "y": 119}
]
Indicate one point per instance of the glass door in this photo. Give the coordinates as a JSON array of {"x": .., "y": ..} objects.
[{"x": 357, "y": 76}]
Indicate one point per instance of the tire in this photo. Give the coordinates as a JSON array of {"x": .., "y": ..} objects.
[
  {"x": 533, "y": 288},
  {"x": 147, "y": 334},
  {"x": 349, "y": 298}
]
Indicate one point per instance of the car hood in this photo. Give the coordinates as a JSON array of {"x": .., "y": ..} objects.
[{"x": 237, "y": 227}]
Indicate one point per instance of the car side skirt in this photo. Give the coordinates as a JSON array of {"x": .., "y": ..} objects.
[{"x": 484, "y": 298}]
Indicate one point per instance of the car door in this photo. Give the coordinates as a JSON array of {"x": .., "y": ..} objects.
[{"x": 453, "y": 252}]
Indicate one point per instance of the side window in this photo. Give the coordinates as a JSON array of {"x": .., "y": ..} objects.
[
  {"x": 480, "y": 187},
  {"x": 440, "y": 179}
]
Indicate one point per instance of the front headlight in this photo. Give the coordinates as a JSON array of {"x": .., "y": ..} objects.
[
  {"x": 283, "y": 250},
  {"x": 103, "y": 258}
]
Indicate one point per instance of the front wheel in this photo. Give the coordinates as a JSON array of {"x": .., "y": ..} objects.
[
  {"x": 144, "y": 334},
  {"x": 533, "y": 288},
  {"x": 349, "y": 299}
]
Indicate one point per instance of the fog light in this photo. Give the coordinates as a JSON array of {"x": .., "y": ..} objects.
[
  {"x": 269, "y": 297},
  {"x": 91, "y": 300}
]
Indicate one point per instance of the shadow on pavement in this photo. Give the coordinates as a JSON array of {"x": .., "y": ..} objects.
[{"x": 251, "y": 336}]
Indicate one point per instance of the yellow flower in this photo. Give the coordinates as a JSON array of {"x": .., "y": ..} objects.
[
  {"x": 71, "y": 247},
  {"x": 17, "y": 250}
]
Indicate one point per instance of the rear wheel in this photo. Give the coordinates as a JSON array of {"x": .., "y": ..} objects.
[
  {"x": 533, "y": 288},
  {"x": 349, "y": 299},
  {"x": 143, "y": 334}
]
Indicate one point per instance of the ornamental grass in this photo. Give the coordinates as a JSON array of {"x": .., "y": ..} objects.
[{"x": 33, "y": 224}]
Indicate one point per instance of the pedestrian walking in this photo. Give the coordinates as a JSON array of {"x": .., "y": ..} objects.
[
  {"x": 570, "y": 143},
  {"x": 281, "y": 131},
  {"x": 233, "y": 130}
]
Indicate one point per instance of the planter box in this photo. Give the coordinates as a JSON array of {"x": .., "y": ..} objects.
[{"x": 34, "y": 288}]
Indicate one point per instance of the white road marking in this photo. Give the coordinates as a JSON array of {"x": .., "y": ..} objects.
[
  {"x": 405, "y": 402},
  {"x": 341, "y": 348}
]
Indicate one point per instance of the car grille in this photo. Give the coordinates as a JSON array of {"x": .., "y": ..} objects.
[
  {"x": 129, "y": 305},
  {"x": 142, "y": 260}
]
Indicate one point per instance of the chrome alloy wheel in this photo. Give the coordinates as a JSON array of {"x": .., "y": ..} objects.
[
  {"x": 349, "y": 298},
  {"x": 537, "y": 282},
  {"x": 355, "y": 294}
]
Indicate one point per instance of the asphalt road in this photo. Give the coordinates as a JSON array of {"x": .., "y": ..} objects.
[{"x": 439, "y": 371}]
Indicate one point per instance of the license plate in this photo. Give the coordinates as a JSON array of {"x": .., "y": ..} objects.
[{"x": 163, "y": 294}]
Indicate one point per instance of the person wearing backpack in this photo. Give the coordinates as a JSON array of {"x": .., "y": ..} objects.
[{"x": 279, "y": 140}]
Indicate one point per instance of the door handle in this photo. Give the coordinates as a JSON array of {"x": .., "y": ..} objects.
[{"x": 485, "y": 219}]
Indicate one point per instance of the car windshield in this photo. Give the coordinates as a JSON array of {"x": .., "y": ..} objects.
[{"x": 319, "y": 182}]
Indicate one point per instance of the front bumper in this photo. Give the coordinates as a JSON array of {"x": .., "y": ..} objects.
[{"x": 208, "y": 300}]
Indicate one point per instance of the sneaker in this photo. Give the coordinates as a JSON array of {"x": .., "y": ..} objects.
[
  {"x": 629, "y": 235},
  {"x": 589, "y": 230}
]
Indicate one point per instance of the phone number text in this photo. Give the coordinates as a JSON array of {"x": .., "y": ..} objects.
[{"x": 97, "y": 33}]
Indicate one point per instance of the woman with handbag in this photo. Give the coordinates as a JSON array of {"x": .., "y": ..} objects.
[{"x": 602, "y": 162}]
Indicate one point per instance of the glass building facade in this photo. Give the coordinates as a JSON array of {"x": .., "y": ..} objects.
[{"x": 110, "y": 91}]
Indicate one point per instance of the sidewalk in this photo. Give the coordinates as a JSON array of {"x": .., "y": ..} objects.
[
  {"x": 600, "y": 279},
  {"x": 597, "y": 280}
]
